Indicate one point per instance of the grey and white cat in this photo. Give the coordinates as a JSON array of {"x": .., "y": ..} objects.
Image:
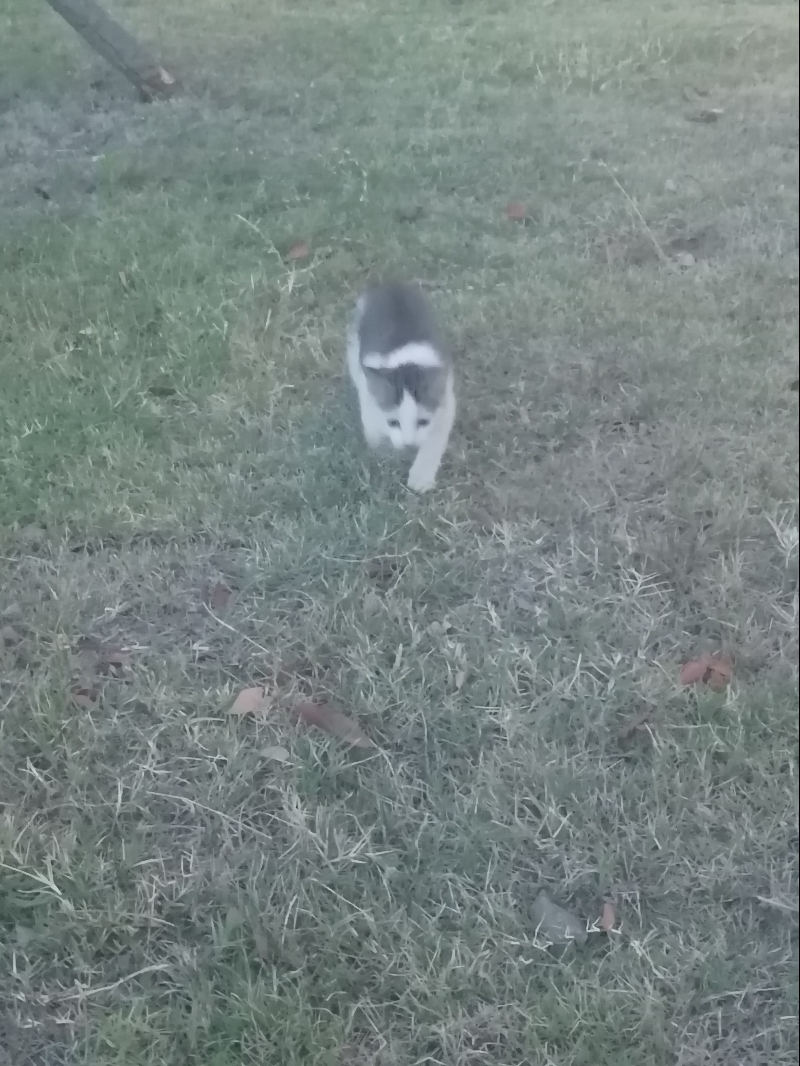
[{"x": 403, "y": 377}]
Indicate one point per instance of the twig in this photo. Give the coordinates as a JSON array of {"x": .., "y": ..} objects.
[
  {"x": 227, "y": 818},
  {"x": 156, "y": 966},
  {"x": 238, "y": 632},
  {"x": 661, "y": 253}
]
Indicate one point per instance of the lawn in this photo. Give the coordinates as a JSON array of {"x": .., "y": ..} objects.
[{"x": 187, "y": 510}]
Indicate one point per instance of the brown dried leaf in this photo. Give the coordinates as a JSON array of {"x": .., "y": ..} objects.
[
  {"x": 300, "y": 250},
  {"x": 220, "y": 596},
  {"x": 117, "y": 657},
  {"x": 706, "y": 114},
  {"x": 694, "y": 671},
  {"x": 113, "y": 661},
  {"x": 84, "y": 696},
  {"x": 94, "y": 657},
  {"x": 607, "y": 917},
  {"x": 720, "y": 671},
  {"x": 713, "y": 670},
  {"x": 516, "y": 212},
  {"x": 255, "y": 701},
  {"x": 332, "y": 721}
]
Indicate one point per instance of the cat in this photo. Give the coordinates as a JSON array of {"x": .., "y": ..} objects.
[{"x": 403, "y": 377}]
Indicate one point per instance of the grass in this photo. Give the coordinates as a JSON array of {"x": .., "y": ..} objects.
[{"x": 620, "y": 495}]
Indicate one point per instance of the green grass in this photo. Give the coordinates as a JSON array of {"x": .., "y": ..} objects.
[{"x": 620, "y": 495}]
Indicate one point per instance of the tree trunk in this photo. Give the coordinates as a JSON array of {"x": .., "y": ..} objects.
[{"x": 116, "y": 45}]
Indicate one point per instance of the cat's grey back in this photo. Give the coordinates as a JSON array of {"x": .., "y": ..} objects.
[{"x": 393, "y": 315}]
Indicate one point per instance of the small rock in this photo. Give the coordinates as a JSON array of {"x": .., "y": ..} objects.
[
  {"x": 670, "y": 185},
  {"x": 685, "y": 259}
]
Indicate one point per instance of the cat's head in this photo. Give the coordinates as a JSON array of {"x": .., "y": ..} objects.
[{"x": 408, "y": 397}]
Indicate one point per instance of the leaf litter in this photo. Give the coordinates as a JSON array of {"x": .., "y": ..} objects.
[
  {"x": 331, "y": 720},
  {"x": 258, "y": 702},
  {"x": 608, "y": 917},
  {"x": 94, "y": 661},
  {"x": 553, "y": 923},
  {"x": 255, "y": 701},
  {"x": 715, "y": 671}
]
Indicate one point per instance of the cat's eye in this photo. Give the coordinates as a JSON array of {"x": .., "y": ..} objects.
[
  {"x": 423, "y": 422},
  {"x": 393, "y": 423}
]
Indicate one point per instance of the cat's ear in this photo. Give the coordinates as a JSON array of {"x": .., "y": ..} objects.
[
  {"x": 432, "y": 386},
  {"x": 380, "y": 384}
]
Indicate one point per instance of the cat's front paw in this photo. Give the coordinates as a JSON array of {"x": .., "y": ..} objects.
[{"x": 421, "y": 480}]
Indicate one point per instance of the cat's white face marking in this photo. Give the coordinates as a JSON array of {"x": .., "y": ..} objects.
[
  {"x": 420, "y": 354},
  {"x": 409, "y": 424}
]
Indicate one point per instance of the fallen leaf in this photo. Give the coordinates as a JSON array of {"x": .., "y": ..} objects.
[
  {"x": 720, "y": 671},
  {"x": 693, "y": 671},
  {"x": 276, "y": 753},
  {"x": 555, "y": 924},
  {"x": 94, "y": 657},
  {"x": 637, "y": 724},
  {"x": 516, "y": 212},
  {"x": 298, "y": 251},
  {"x": 332, "y": 721},
  {"x": 706, "y": 114},
  {"x": 607, "y": 917},
  {"x": 253, "y": 701},
  {"x": 713, "y": 670},
  {"x": 116, "y": 657},
  {"x": 220, "y": 596},
  {"x": 83, "y": 696}
]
